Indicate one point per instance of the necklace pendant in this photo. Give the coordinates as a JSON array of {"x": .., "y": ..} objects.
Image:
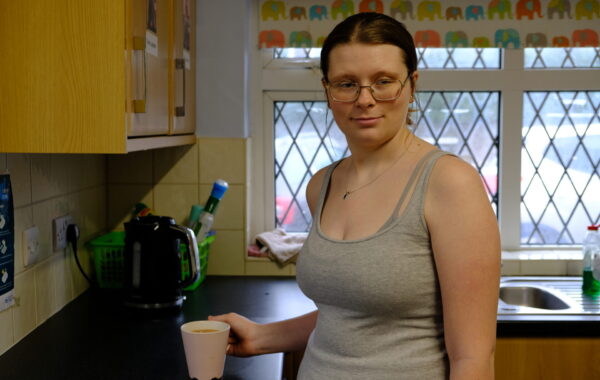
[{"x": 346, "y": 195}]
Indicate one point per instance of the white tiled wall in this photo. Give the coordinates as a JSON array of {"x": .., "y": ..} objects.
[{"x": 46, "y": 186}]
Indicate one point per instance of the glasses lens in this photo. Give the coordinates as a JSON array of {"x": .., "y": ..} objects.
[
  {"x": 386, "y": 90},
  {"x": 344, "y": 91}
]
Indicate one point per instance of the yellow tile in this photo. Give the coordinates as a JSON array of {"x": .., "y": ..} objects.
[
  {"x": 79, "y": 282},
  {"x": 6, "y": 330},
  {"x": 266, "y": 268},
  {"x": 89, "y": 170},
  {"x": 175, "y": 201},
  {"x": 132, "y": 168},
  {"x": 19, "y": 166},
  {"x": 49, "y": 176},
  {"x": 226, "y": 255},
  {"x": 62, "y": 280},
  {"x": 222, "y": 158},
  {"x": 23, "y": 220},
  {"x": 89, "y": 212},
  {"x": 574, "y": 268},
  {"x": 24, "y": 312},
  {"x": 122, "y": 200},
  {"x": 231, "y": 212},
  {"x": 45, "y": 292},
  {"x": 511, "y": 267},
  {"x": 543, "y": 268},
  {"x": 176, "y": 165},
  {"x": 43, "y": 214}
]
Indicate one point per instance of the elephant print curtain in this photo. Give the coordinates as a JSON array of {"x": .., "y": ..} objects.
[{"x": 459, "y": 23}]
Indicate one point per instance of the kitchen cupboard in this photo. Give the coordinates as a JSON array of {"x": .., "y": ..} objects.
[
  {"x": 547, "y": 358},
  {"x": 96, "y": 76}
]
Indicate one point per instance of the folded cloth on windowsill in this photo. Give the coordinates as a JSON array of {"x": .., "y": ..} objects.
[{"x": 281, "y": 246}]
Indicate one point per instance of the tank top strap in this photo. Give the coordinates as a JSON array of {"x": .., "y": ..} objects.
[
  {"x": 419, "y": 176},
  {"x": 325, "y": 188},
  {"x": 421, "y": 186}
]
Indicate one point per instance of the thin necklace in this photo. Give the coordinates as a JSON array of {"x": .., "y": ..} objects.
[{"x": 348, "y": 192}]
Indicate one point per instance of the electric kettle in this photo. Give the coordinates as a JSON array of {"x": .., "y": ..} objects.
[{"x": 153, "y": 260}]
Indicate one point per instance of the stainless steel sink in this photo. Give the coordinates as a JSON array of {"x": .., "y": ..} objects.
[
  {"x": 545, "y": 295},
  {"x": 532, "y": 296}
]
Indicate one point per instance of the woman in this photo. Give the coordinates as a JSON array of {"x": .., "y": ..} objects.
[{"x": 403, "y": 256}]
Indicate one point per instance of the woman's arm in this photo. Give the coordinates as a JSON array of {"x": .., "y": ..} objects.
[
  {"x": 466, "y": 245},
  {"x": 247, "y": 338}
]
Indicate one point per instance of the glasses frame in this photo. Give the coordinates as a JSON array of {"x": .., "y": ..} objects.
[{"x": 370, "y": 87}]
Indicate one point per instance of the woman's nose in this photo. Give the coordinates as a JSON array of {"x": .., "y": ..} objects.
[{"x": 365, "y": 98}]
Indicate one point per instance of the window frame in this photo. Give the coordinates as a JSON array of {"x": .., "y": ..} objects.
[{"x": 292, "y": 79}]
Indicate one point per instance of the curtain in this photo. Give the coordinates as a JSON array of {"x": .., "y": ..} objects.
[{"x": 460, "y": 23}]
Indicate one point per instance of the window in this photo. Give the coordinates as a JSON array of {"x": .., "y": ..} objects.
[{"x": 526, "y": 119}]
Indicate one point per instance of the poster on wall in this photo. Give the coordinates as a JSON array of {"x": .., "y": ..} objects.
[
  {"x": 187, "y": 30},
  {"x": 7, "y": 240},
  {"x": 152, "y": 29}
]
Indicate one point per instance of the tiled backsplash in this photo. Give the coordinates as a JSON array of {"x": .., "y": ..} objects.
[
  {"x": 47, "y": 186},
  {"x": 171, "y": 180}
]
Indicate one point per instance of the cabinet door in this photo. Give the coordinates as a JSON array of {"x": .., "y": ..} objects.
[
  {"x": 62, "y": 77},
  {"x": 184, "y": 78},
  {"x": 150, "y": 30},
  {"x": 547, "y": 358}
]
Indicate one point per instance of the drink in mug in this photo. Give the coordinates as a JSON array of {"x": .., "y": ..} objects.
[{"x": 205, "y": 345}]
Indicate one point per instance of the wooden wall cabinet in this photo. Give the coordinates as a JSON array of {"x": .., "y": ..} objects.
[
  {"x": 547, "y": 358},
  {"x": 91, "y": 77}
]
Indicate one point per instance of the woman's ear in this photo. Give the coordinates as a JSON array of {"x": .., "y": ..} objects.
[{"x": 413, "y": 82}]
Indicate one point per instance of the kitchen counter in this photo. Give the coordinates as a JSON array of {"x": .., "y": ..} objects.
[{"x": 95, "y": 338}]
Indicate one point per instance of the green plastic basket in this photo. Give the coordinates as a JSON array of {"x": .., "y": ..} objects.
[{"x": 107, "y": 252}]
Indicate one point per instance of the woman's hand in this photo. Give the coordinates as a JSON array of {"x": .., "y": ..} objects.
[{"x": 243, "y": 336}]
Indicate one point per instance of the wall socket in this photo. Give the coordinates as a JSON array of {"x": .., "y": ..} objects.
[{"x": 59, "y": 232}]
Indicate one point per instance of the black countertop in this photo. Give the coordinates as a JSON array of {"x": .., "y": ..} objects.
[{"x": 94, "y": 337}]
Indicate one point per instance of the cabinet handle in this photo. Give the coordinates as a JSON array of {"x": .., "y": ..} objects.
[
  {"x": 139, "y": 45},
  {"x": 180, "y": 65}
]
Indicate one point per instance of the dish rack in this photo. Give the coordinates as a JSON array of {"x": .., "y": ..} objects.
[{"x": 108, "y": 251}]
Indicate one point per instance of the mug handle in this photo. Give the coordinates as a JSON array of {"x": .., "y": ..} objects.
[{"x": 193, "y": 255}]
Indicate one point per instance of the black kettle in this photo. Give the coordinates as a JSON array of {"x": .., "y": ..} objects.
[{"x": 153, "y": 261}]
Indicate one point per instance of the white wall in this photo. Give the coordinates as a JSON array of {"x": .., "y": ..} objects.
[{"x": 222, "y": 65}]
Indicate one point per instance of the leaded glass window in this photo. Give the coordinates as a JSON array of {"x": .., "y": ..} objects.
[
  {"x": 562, "y": 58},
  {"x": 560, "y": 182},
  {"x": 429, "y": 58}
]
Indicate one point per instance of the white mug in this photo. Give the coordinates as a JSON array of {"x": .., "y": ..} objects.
[{"x": 205, "y": 344}]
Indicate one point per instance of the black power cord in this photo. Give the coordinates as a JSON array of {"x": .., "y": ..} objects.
[{"x": 73, "y": 237}]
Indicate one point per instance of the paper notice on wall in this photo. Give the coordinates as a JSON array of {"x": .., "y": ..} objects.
[
  {"x": 7, "y": 244},
  {"x": 152, "y": 29}
]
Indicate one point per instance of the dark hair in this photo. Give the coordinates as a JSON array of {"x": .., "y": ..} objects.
[{"x": 370, "y": 28}]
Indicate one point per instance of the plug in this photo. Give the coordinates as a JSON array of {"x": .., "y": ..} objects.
[{"x": 72, "y": 233}]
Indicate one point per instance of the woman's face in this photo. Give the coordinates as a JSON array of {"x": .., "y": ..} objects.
[{"x": 367, "y": 121}]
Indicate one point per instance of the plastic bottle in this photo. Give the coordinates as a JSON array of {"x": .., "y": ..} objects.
[
  {"x": 210, "y": 207},
  {"x": 194, "y": 217},
  {"x": 591, "y": 262}
]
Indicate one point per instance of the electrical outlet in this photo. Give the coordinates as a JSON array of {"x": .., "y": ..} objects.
[
  {"x": 30, "y": 245},
  {"x": 59, "y": 232}
]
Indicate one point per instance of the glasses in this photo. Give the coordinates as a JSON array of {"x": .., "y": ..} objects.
[{"x": 382, "y": 90}]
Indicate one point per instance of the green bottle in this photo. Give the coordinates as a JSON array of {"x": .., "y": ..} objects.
[{"x": 591, "y": 262}]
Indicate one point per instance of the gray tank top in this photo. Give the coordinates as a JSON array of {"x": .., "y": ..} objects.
[{"x": 380, "y": 309}]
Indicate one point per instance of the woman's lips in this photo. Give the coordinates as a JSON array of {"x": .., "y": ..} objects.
[{"x": 366, "y": 121}]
